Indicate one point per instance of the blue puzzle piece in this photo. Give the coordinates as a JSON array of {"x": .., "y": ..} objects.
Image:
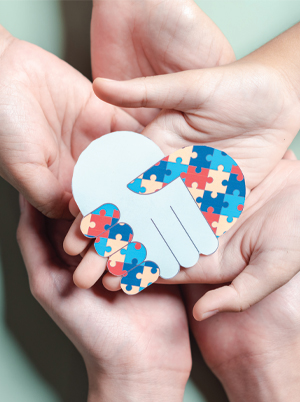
[
  {"x": 131, "y": 279},
  {"x": 133, "y": 251},
  {"x": 176, "y": 169},
  {"x": 154, "y": 267},
  {"x": 160, "y": 171},
  {"x": 231, "y": 204},
  {"x": 136, "y": 186},
  {"x": 110, "y": 210},
  {"x": 201, "y": 161},
  {"x": 129, "y": 266},
  {"x": 101, "y": 246},
  {"x": 123, "y": 229},
  {"x": 221, "y": 158},
  {"x": 234, "y": 184},
  {"x": 208, "y": 201}
]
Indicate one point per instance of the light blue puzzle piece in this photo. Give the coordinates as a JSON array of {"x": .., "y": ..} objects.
[
  {"x": 136, "y": 186},
  {"x": 101, "y": 246},
  {"x": 132, "y": 253},
  {"x": 220, "y": 158},
  {"x": 231, "y": 204},
  {"x": 174, "y": 170}
]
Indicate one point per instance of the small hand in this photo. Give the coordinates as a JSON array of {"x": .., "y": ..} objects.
[
  {"x": 131, "y": 39},
  {"x": 48, "y": 114},
  {"x": 124, "y": 341}
]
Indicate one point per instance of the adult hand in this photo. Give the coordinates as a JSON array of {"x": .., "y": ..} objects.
[
  {"x": 255, "y": 354},
  {"x": 246, "y": 109},
  {"x": 48, "y": 115},
  {"x": 133, "y": 38},
  {"x": 247, "y": 252},
  {"x": 132, "y": 346}
]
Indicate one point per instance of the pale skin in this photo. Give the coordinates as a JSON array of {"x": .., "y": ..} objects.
[
  {"x": 249, "y": 109},
  {"x": 66, "y": 319},
  {"x": 127, "y": 343},
  {"x": 61, "y": 115},
  {"x": 134, "y": 38},
  {"x": 255, "y": 354},
  {"x": 49, "y": 114}
]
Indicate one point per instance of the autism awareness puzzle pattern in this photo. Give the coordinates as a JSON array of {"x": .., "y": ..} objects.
[{"x": 215, "y": 182}]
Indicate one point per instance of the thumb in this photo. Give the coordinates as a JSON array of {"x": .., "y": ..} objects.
[
  {"x": 179, "y": 91},
  {"x": 260, "y": 278}
]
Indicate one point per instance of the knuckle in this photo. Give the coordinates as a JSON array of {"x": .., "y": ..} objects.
[{"x": 36, "y": 287}]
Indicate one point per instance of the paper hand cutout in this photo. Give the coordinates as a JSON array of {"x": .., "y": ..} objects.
[{"x": 174, "y": 211}]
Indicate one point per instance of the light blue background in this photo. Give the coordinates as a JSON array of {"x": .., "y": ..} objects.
[{"x": 37, "y": 362}]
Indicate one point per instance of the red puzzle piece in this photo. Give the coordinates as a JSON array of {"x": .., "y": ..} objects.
[
  {"x": 200, "y": 178},
  {"x": 237, "y": 170},
  {"x": 211, "y": 217}
]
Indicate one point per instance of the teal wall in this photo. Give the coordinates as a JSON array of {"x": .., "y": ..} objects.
[{"x": 37, "y": 362}]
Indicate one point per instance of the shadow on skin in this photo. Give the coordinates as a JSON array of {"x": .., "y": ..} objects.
[
  {"x": 77, "y": 18},
  {"x": 204, "y": 380},
  {"x": 43, "y": 343}
]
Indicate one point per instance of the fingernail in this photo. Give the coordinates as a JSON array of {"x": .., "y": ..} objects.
[
  {"x": 209, "y": 314},
  {"x": 21, "y": 202}
]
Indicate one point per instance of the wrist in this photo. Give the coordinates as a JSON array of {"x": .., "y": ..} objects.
[
  {"x": 282, "y": 56},
  {"x": 138, "y": 387},
  {"x": 267, "y": 377}
]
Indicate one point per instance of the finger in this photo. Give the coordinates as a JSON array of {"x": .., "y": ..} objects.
[
  {"x": 111, "y": 282},
  {"x": 75, "y": 242},
  {"x": 90, "y": 269},
  {"x": 43, "y": 190},
  {"x": 180, "y": 91},
  {"x": 257, "y": 281},
  {"x": 73, "y": 207},
  {"x": 37, "y": 251},
  {"x": 290, "y": 155}
]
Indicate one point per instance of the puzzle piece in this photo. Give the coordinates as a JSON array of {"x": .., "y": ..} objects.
[
  {"x": 233, "y": 205},
  {"x": 211, "y": 218},
  {"x": 140, "y": 277},
  {"x": 235, "y": 184},
  {"x": 116, "y": 238},
  {"x": 201, "y": 160},
  {"x": 101, "y": 246},
  {"x": 136, "y": 186},
  {"x": 222, "y": 225},
  {"x": 127, "y": 258},
  {"x": 134, "y": 250},
  {"x": 219, "y": 178},
  {"x": 101, "y": 219},
  {"x": 220, "y": 158},
  {"x": 208, "y": 201},
  {"x": 149, "y": 274},
  {"x": 151, "y": 185},
  {"x": 116, "y": 268},
  {"x": 159, "y": 170},
  {"x": 176, "y": 169},
  {"x": 115, "y": 244},
  {"x": 236, "y": 170},
  {"x": 200, "y": 178},
  {"x": 121, "y": 229},
  {"x": 185, "y": 154},
  {"x": 196, "y": 193}
]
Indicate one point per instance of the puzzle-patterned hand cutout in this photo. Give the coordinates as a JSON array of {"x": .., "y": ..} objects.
[{"x": 174, "y": 211}]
